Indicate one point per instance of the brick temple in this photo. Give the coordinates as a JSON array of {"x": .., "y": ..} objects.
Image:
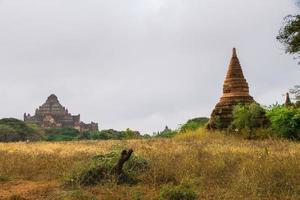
[
  {"x": 235, "y": 91},
  {"x": 53, "y": 115}
]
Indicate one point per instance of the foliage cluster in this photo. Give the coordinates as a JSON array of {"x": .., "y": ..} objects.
[
  {"x": 99, "y": 169},
  {"x": 61, "y": 134},
  {"x": 13, "y": 130},
  {"x": 16, "y": 130},
  {"x": 295, "y": 91},
  {"x": 254, "y": 121},
  {"x": 289, "y": 34},
  {"x": 110, "y": 134},
  {"x": 194, "y": 124},
  {"x": 166, "y": 133},
  {"x": 285, "y": 121},
  {"x": 183, "y": 191},
  {"x": 190, "y": 125}
]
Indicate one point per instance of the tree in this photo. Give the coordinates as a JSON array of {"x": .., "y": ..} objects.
[
  {"x": 289, "y": 34},
  {"x": 5, "y": 132},
  {"x": 296, "y": 92}
]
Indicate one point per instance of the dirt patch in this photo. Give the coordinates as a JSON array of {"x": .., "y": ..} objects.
[{"x": 28, "y": 190}]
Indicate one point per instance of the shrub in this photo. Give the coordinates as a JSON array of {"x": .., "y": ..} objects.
[
  {"x": 61, "y": 134},
  {"x": 166, "y": 133},
  {"x": 285, "y": 121},
  {"x": 194, "y": 124},
  {"x": 184, "y": 191},
  {"x": 109, "y": 135},
  {"x": 99, "y": 168},
  {"x": 247, "y": 118}
]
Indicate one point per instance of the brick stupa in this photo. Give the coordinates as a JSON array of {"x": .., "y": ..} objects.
[{"x": 235, "y": 91}]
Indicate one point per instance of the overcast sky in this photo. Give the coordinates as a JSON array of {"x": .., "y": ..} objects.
[{"x": 141, "y": 64}]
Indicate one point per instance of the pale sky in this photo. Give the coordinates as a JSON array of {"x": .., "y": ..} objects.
[{"x": 139, "y": 64}]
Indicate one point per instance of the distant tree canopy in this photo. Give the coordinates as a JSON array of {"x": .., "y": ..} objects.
[
  {"x": 166, "y": 133},
  {"x": 289, "y": 34},
  {"x": 16, "y": 130},
  {"x": 68, "y": 134}
]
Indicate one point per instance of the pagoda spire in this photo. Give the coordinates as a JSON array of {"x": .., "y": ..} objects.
[
  {"x": 234, "y": 68},
  {"x": 234, "y": 52},
  {"x": 235, "y": 91},
  {"x": 288, "y": 101}
]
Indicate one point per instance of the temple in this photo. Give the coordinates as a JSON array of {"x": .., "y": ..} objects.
[
  {"x": 235, "y": 91},
  {"x": 53, "y": 115}
]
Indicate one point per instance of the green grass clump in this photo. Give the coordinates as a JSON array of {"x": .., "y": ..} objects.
[
  {"x": 99, "y": 168},
  {"x": 184, "y": 191},
  {"x": 3, "y": 178}
]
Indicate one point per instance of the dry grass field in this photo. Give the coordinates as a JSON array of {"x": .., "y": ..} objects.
[{"x": 219, "y": 166}]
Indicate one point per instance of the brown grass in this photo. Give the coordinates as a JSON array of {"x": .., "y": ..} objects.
[{"x": 221, "y": 167}]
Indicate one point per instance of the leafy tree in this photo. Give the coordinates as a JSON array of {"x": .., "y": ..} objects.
[
  {"x": 289, "y": 34},
  {"x": 5, "y": 130}
]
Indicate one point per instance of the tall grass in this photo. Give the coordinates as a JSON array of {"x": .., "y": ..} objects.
[{"x": 220, "y": 166}]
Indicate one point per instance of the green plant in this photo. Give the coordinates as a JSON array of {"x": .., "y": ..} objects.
[
  {"x": 285, "y": 121},
  {"x": 289, "y": 34},
  {"x": 99, "y": 169},
  {"x": 61, "y": 134},
  {"x": 184, "y": 191},
  {"x": 166, "y": 133},
  {"x": 247, "y": 118},
  {"x": 194, "y": 124},
  {"x": 12, "y": 130},
  {"x": 3, "y": 178}
]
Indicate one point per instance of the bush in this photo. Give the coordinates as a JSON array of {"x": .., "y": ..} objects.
[
  {"x": 184, "y": 191},
  {"x": 99, "y": 169},
  {"x": 109, "y": 135},
  {"x": 285, "y": 121},
  {"x": 248, "y": 117},
  {"x": 61, "y": 134},
  {"x": 166, "y": 133},
  {"x": 194, "y": 124}
]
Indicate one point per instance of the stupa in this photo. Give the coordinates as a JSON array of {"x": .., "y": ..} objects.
[
  {"x": 288, "y": 101},
  {"x": 235, "y": 91}
]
